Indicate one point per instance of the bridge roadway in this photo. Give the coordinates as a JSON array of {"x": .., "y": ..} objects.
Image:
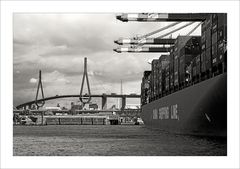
[{"x": 103, "y": 96}]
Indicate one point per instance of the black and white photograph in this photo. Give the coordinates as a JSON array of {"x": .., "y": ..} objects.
[
  {"x": 121, "y": 84},
  {"x": 130, "y": 84}
]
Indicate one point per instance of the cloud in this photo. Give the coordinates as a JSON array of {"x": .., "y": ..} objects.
[
  {"x": 33, "y": 80},
  {"x": 55, "y": 78},
  {"x": 57, "y": 45}
]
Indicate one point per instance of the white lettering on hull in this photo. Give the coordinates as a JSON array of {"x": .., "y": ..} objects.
[{"x": 167, "y": 112}]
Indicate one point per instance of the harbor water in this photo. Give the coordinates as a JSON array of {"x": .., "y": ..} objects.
[{"x": 110, "y": 140}]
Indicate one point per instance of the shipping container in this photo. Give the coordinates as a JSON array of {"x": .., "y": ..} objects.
[
  {"x": 198, "y": 64},
  {"x": 187, "y": 54},
  {"x": 214, "y": 17},
  {"x": 176, "y": 63},
  {"x": 215, "y": 58},
  {"x": 194, "y": 71},
  {"x": 154, "y": 78},
  {"x": 203, "y": 29},
  {"x": 208, "y": 21},
  {"x": 221, "y": 55},
  {"x": 203, "y": 44},
  {"x": 203, "y": 36},
  {"x": 203, "y": 60},
  {"x": 219, "y": 36},
  {"x": 208, "y": 59},
  {"x": 188, "y": 75},
  {"x": 184, "y": 63},
  {"x": 222, "y": 19},
  {"x": 203, "y": 32},
  {"x": 222, "y": 44},
  {"x": 167, "y": 78},
  {"x": 145, "y": 87},
  {"x": 214, "y": 38},
  {"x": 214, "y": 26},
  {"x": 181, "y": 42},
  {"x": 171, "y": 70},
  {"x": 193, "y": 49},
  {"x": 222, "y": 33},
  {"x": 208, "y": 38},
  {"x": 163, "y": 63},
  {"x": 176, "y": 81}
]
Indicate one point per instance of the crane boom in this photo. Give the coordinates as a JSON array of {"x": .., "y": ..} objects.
[
  {"x": 155, "y": 41},
  {"x": 143, "y": 49},
  {"x": 156, "y": 17}
]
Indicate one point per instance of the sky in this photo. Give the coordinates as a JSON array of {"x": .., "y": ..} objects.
[{"x": 58, "y": 43}]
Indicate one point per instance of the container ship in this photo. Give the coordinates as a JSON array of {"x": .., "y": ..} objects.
[{"x": 185, "y": 91}]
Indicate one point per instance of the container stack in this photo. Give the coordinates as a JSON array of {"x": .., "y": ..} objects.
[
  {"x": 219, "y": 59},
  {"x": 187, "y": 54},
  {"x": 192, "y": 59},
  {"x": 179, "y": 44},
  {"x": 145, "y": 87},
  {"x": 154, "y": 80},
  {"x": 163, "y": 65},
  {"x": 196, "y": 68},
  {"x": 171, "y": 69},
  {"x": 206, "y": 42}
]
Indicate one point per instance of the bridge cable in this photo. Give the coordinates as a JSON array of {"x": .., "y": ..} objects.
[
  {"x": 40, "y": 104},
  {"x": 85, "y": 75}
]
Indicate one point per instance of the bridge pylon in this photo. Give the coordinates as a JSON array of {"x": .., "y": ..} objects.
[
  {"x": 85, "y": 99},
  {"x": 39, "y": 104}
]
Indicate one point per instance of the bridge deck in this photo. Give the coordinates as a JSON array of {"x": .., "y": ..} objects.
[{"x": 68, "y": 96}]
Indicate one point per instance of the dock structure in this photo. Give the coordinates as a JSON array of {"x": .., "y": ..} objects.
[
  {"x": 78, "y": 117},
  {"x": 84, "y": 119}
]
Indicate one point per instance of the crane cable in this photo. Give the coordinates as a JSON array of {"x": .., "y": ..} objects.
[
  {"x": 175, "y": 30},
  {"x": 194, "y": 29},
  {"x": 166, "y": 34},
  {"x": 159, "y": 30},
  {"x": 141, "y": 38}
]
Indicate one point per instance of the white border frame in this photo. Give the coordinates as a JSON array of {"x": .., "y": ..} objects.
[{"x": 10, "y": 161}]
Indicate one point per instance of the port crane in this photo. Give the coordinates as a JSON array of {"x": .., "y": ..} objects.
[
  {"x": 159, "y": 17},
  {"x": 137, "y": 43}
]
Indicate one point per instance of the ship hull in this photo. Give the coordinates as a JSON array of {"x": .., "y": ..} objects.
[{"x": 200, "y": 109}]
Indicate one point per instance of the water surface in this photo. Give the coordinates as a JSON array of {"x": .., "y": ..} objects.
[{"x": 107, "y": 140}]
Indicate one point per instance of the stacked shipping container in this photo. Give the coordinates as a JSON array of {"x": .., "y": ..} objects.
[
  {"x": 163, "y": 64},
  {"x": 171, "y": 69},
  {"x": 154, "y": 79},
  {"x": 145, "y": 87},
  {"x": 179, "y": 44},
  {"x": 221, "y": 60},
  {"x": 187, "y": 54},
  {"x": 206, "y": 42},
  {"x": 192, "y": 59}
]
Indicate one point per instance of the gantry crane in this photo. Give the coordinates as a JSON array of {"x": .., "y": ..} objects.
[
  {"x": 137, "y": 43},
  {"x": 156, "y": 17}
]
